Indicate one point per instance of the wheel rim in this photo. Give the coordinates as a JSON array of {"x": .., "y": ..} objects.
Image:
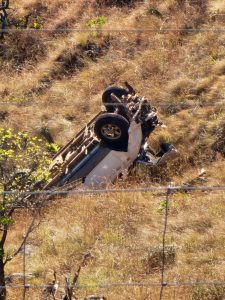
[{"x": 111, "y": 131}]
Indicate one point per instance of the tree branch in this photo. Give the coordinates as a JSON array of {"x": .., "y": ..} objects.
[
  {"x": 85, "y": 258},
  {"x": 5, "y": 4},
  {"x": 4, "y": 235},
  {"x": 29, "y": 230},
  {"x": 3, "y": 16}
]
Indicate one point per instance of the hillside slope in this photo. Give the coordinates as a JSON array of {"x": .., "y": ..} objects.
[{"x": 55, "y": 80}]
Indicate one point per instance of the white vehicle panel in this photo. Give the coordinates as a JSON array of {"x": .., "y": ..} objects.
[{"x": 116, "y": 162}]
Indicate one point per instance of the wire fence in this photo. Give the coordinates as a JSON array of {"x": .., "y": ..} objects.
[
  {"x": 162, "y": 284},
  {"x": 116, "y": 190},
  {"x": 131, "y": 30},
  {"x": 167, "y": 106}
]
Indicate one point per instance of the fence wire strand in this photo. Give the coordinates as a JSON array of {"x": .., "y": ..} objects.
[
  {"x": 122, "y": 284},
  {"x": 117, "y": 190},
  {"x": 129, "y": 30}
]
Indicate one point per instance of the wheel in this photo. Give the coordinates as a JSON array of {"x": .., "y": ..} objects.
[
  {"x": 106, "y": 99},
  {"x": 113, "y": 130}
]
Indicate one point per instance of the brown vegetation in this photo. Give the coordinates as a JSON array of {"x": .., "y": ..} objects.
[{"x": 55, "y": 81}]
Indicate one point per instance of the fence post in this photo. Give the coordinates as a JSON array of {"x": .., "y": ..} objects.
[
  {"x": 24, "y": 269},
  {"x": 163, "y": 283}
]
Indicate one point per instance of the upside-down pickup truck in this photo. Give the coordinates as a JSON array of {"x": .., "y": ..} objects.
[{"x": 110, "y": 143}]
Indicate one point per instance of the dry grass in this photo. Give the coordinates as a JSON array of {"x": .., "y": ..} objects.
[
  {"x": 56, "y": 83},
  {"x": 124, "y": 234}
]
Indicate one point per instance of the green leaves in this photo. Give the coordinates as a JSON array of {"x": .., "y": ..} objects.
[
  {"x": 37, "y": 25},
  {"x": 24, "y": 160},
  {"x": 51, "y": 147},
  {"x": 96, "y": 24},
  {"x": 6, "y": 220}
]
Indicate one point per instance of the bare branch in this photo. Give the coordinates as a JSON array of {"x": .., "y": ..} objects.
[
  {"x": 26, "y": 18},
  {"x": 4, "y": 5},
  {"x": 85, "y": 258},
  {"x": 4, "y": 235},
  {"x": 52, "y": 288},
  {"x": 29, "y": 230},
  {"x": 3, "y": 16}
]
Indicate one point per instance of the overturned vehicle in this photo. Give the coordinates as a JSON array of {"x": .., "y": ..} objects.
[{"x": 111, "y": 142}]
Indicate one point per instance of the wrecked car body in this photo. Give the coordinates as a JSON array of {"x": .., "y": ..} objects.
[{"x": 111, "y": 142}]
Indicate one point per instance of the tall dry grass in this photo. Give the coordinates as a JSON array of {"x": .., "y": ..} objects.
[{"x": 124, "y": 234}]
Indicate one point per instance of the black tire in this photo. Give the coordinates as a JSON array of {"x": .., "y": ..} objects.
[
  {"x": 106, "y": 97},
  {"x": 113, "y": 130}
]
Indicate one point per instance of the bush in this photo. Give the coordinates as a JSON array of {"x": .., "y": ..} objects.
[
  {"x": 20, "y": 48},
  {"x": 153, "y": 260}
]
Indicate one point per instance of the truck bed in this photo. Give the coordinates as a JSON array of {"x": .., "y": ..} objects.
[{"x": 77, "y": 158}]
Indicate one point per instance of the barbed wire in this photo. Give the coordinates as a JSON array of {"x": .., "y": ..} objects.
[
  {"x": 131, "y": 30},
  {"x": 116, "y": 190},
  {"x": 167, "y": 105},
  {"x": 121, "y": 284},
  {"x": 35, "y": 202}
]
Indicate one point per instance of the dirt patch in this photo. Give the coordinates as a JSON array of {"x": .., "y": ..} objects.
[
  {"x": 72, "y": 61},
  {"x": 68, "y": 63}
]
